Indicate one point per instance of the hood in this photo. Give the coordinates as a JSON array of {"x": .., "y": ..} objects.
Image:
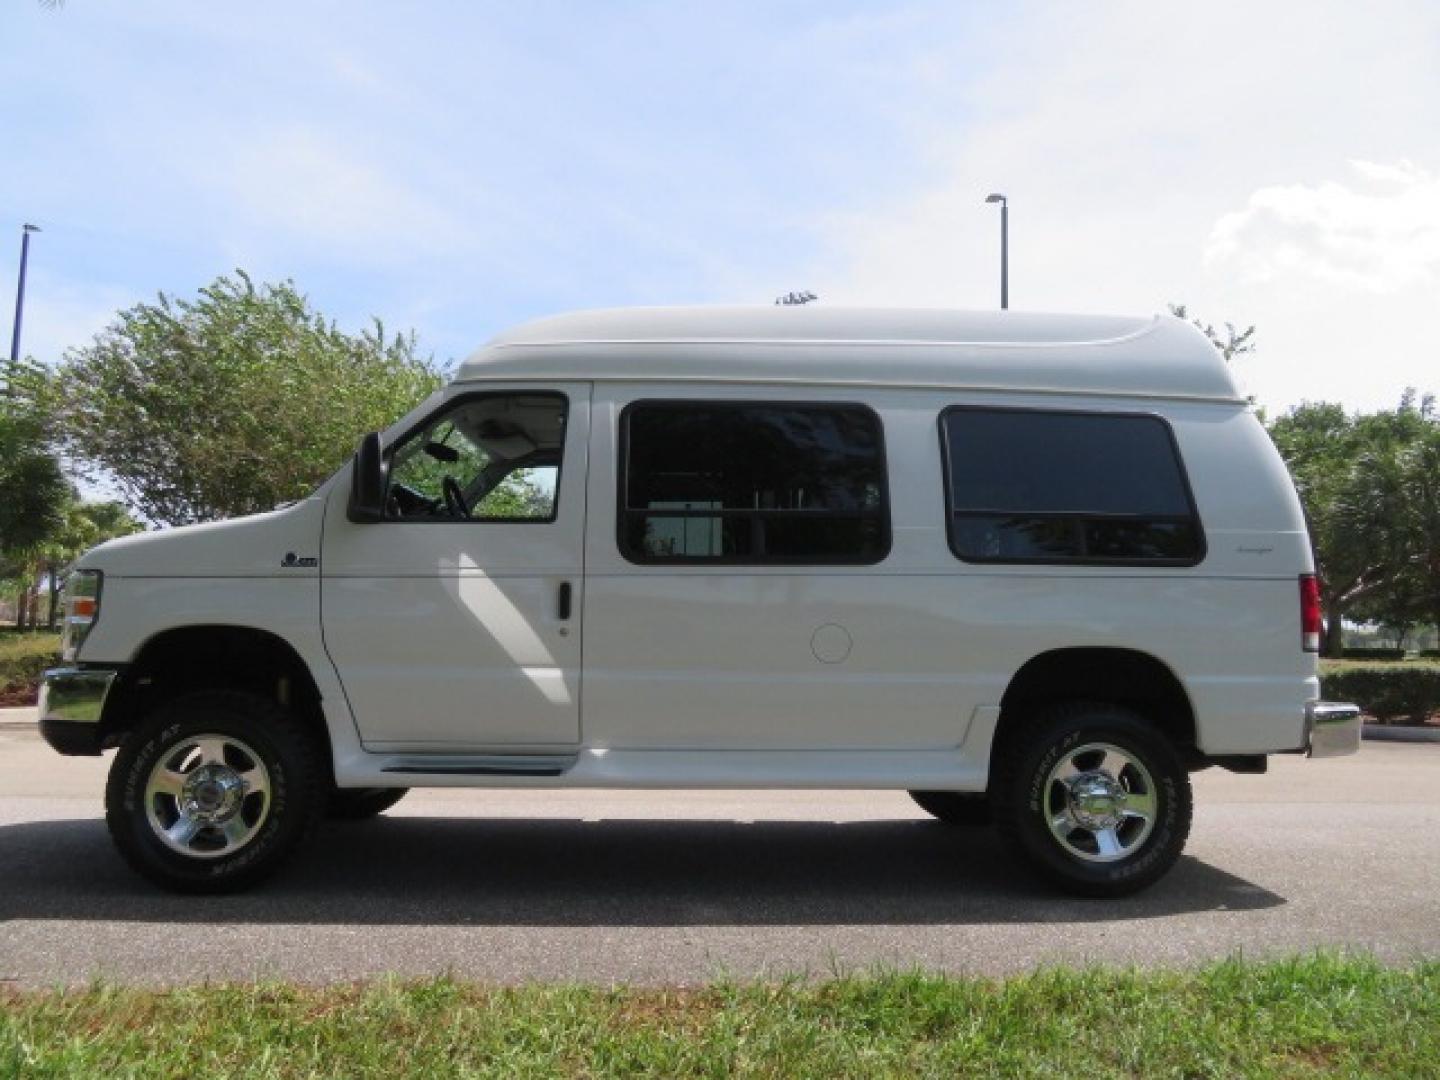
[{"x": 281, "y": 543}]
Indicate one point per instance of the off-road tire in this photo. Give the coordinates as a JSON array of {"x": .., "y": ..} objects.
[
  {"x": 1024, "y": 762},
  {"x": 297, "y": 793}
]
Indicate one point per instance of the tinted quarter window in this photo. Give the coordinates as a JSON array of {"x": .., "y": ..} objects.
[
  {"x": 752, "y": 483},
  {"x": 1040, "y": 486}
]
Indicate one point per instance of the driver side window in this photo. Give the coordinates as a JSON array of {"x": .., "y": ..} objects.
[{"x": 487, "y": 457}]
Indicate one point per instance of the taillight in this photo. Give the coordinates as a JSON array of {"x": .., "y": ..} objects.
[{"x": 1310, "y": 613}]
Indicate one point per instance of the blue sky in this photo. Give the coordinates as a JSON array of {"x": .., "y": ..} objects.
[{"x": 458, "y": 167}]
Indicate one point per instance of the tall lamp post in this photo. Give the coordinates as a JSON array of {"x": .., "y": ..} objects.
[
  {"x": 1004, "y": 248},
  {"x": 20, "y": 292}
]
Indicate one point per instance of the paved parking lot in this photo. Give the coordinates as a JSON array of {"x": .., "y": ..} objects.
[{"x": 678, "y": 887}]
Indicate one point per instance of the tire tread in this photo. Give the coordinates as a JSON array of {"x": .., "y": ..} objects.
[
  {"x": 267, "y": 719},
  {"x": 1009, "y": 776}
]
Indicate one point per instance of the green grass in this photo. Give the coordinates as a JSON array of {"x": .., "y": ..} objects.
[{"x": 1320, "y": 1015}]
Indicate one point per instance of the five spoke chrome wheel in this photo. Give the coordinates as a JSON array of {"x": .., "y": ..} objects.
[
  {"x": 207, "y": 796},
  {"x": 1100, "y": 802}
]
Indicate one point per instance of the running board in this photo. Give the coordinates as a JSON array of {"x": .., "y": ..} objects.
[
  {"x": 489, "y": 765},
  {"x": 954, "y": 768}
]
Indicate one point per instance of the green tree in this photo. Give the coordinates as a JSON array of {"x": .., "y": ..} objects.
[
  {"x": 517, "y": 496},
  {"x": 34, "y": 492},
  {"x": 1398, "y": 492},
  {"x": 1424, "y": 488},
  {"x": 1320, "y": 444},
  {"x": 232, "y": 402},
  {"x": 1370, "y": 485},
  {"x": 86, "y": 524}
]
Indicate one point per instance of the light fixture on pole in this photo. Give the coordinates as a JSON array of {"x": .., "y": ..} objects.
[
  {"x": 1004, "y": 248},
  {"x": 20, "y": 292}
]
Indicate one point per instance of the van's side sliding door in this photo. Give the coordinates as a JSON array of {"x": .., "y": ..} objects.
[{"x": 748, "y": 584}]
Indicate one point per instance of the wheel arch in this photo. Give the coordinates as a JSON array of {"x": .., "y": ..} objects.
[
  {"x": 212, "y": 656},
  {"x": 1128, "y": 677}
]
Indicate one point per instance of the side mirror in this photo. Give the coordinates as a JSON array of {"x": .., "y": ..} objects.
[{"x": 367, "y": 483}]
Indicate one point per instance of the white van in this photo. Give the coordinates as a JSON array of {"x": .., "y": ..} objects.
[{"x": 1030, "y": 568}]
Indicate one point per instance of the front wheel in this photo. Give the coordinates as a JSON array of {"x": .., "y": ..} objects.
[
  {"x": 213, "y": 791},
  {"x": 1093, "y": 798}
]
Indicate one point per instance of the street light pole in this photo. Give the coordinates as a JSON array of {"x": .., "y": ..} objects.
[
  {"x": 20, "y": 292},
  {"x": 1004, "y": 248}
]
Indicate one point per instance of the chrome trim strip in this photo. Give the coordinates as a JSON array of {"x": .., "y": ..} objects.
[
  {"x": 74, "y": 695},
  {"x": 1332, "y": 729}
]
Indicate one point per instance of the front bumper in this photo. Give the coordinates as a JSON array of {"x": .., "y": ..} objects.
[
  {"x": 72, "y": 701},
  {"x": 1332, "y": 729}
]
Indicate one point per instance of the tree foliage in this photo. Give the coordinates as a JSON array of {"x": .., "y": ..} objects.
[
  {"x": 43, "y": 523},
  {"x": 1370, "y": 485},
  {"x": 232, "y": 402},
  {"x": 517, "y": 496},
  {"x": 1398, "y": 499},
  {"x": 35, "y": 491}
]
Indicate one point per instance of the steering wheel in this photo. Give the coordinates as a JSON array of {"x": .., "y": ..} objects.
[{"x": 454, "y": 498}]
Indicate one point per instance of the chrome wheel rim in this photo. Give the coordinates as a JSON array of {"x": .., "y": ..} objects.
[
  {"x": 1100, "y": 803},
  {"x": 207, "y": 796}
]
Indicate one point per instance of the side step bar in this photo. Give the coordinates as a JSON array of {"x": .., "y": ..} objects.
[{"x": 488, "y": 765}]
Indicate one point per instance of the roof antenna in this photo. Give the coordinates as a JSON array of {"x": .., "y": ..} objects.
[{"x": 795, "y": 299}]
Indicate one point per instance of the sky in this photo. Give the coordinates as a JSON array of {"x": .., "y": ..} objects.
[{"x": 458, "y": 167}]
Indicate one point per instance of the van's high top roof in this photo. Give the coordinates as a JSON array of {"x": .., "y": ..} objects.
[{"x": 1159, "y": 356}]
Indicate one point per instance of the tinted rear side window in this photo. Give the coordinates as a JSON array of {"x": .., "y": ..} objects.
[
  {"x": 1040, "y": 486},
  {"x": 752, "y": 483}
]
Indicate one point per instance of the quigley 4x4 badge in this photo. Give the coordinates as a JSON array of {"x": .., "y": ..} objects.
[{"x": 292, "y": 560}]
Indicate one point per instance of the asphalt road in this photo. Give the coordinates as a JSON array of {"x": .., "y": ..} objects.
[{"x": 681, "y": 887}]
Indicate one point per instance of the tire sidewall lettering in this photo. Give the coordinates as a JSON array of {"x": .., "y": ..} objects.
[
  {"x": 294, "y": 801},
  {"x": 1067, "y": 729}
]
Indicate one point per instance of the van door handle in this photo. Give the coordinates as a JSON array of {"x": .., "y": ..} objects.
[{"x": 565, "y": 592}]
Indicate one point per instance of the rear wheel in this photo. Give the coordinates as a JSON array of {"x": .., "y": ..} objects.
[
  {"x": 965, "y": 808},
  {"x": 213, "y": 791},
  {"x": 1093, "y": 799},
  {"x": 358, "y": 804}
]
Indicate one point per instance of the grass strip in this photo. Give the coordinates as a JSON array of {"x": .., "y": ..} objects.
[{"x": 1316, "y": 1015}]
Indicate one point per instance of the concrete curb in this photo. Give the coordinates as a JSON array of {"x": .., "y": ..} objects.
[
  {"x": 1400, "y": 733},
  {"x": 23, "y": 716}
]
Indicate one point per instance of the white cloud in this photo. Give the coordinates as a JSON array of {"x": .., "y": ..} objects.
[
  {"x": 1381, "y": 235},
  {"x": 1126, "y": 137}
]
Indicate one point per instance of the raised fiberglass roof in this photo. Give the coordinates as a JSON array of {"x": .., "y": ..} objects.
[{"x": 1158, "y": 356}]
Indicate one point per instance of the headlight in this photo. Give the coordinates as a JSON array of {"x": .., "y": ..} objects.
[{"x": 82, "y": 608}]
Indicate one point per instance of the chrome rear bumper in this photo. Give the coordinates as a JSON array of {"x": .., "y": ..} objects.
[{"x": 1332, "y": 729}]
